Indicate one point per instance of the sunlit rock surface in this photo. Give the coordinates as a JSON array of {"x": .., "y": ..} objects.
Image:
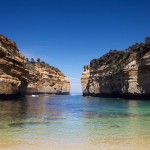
[
  {"x": 18, "y": 76},
  {"x": 47, "y": 79},
  {"x": 119, "y": 73}
]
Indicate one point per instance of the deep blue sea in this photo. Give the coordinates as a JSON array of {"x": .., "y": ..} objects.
[{"x": 74, "y": 122}]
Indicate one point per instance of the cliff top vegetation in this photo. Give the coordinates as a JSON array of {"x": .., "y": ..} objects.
[{"x": 116, "y": 60}]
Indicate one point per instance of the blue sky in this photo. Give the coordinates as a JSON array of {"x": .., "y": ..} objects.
[{"x": 67, "y": 34}]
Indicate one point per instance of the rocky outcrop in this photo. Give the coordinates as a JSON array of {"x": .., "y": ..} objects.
[
  {"x": 85, "y": 79},
  {"x": 18, "y": 76},
  {"x": 13, "y": 71},
  {"x": 47, "y": 79},
  {"x": 119, "y": 73}
]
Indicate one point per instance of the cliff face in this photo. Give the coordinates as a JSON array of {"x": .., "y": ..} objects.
[
  {"x": 47, "y": 79},
  {"x": 19, "y": 76},
  {"x": 119, "y": 73},
  {"x": 13, "y": 71}
]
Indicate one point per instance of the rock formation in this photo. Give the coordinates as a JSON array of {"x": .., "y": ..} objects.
[
  {"x": 13, "y": 71},
  {"x": 46, "y": 79},
  {"x": 18, "y": 76},
  {"x": 119, "y": 73}
]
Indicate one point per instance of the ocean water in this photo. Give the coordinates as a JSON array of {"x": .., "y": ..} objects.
[{"x": 73, "y": 122}]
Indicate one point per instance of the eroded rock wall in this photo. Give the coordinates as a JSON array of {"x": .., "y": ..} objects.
[
  {"x": 13, "y": 71},
  {"x": 18, "y": 76},
  {"x": 119, "y": 73},
  {"x": 47, "y": 79}
]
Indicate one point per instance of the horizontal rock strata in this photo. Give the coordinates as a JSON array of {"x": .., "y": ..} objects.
[
  {"x": 18, "y": 76},
  {"x": 119, "y": 73},
  {"x": 47, "y": 79},
  {"x": 13, "y": 71}
]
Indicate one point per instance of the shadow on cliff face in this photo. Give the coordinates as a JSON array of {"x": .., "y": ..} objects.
[
  {"x": 143, "y": 78},
  {"x": 17, "y": 92},
  {"x": 87, "y": 88},
  {"x": 143, "y": 75},
  {"x": 23, "y": 87},
  {"x": 114, "y": 85}
]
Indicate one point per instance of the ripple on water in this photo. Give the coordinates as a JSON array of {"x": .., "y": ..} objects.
[
  {"x": 89, "y": 114},
  {"x": 22, "y": 124},
  {"x": 120, "y": 114},
  {"x": 54, "y": 118},
  {"x": 115, "y": 126},
  {"x": 76, "y": 122}
]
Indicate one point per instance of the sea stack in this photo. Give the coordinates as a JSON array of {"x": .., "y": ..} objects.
[
  {"x": 119, "y": 73},
  {"x": 18, "y": 76}
]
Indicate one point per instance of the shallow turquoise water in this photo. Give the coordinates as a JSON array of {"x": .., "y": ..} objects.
[{"x": 74, "y": 122}]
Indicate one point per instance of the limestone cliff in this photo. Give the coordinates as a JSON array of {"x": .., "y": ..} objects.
[
  {"x": 13, "y": 71},
  {"x": 46, "y": 79},
  {"x": 18, "y": 76},
  {"x": 119, "y": 73}
]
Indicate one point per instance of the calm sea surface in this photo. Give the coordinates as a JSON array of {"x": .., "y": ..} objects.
[{"x": 74, "y": 123}]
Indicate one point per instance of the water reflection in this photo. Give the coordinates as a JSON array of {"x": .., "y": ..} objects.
[
  {"x": 12, "y": 110},
  {"x": 72, "y": 121}
]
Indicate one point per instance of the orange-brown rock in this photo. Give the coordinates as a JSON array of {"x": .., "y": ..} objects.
[
  {"x": 13, "y": 71},
  {"x": 119, "y": 73},
  {"x": 47, "y": 79},
  {"x": 18, "y": 76}
]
